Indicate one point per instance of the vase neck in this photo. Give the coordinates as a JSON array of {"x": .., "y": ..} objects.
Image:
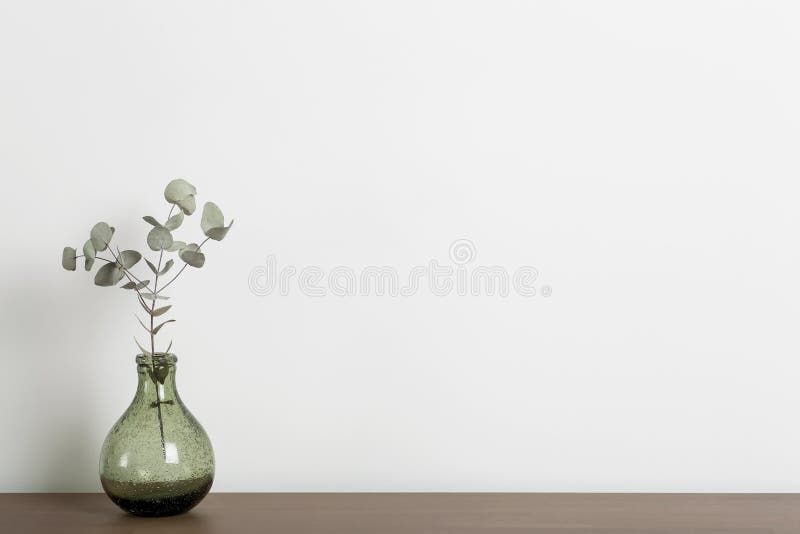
[{"x": 157, "y": 377}]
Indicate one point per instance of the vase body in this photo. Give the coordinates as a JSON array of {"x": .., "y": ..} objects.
[{"x": 157, "y": 459}]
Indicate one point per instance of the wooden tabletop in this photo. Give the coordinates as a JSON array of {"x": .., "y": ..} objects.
[{"x": 418, "y": 513}]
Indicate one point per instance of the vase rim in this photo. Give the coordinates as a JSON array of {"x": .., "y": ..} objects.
[{"x": 165, "y": 357}]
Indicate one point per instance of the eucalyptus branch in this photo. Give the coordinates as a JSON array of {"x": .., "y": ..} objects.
[
  {"x": 153, "y": 306},
  {"x": 129, "y": 275},
  {"x": 146, "y": 286},
  {"x": 173, "y": 278},
  {"x": 142, "y": 302},
  {"x": 181, "y": 195},
  {"x": 182, "y": 268}
]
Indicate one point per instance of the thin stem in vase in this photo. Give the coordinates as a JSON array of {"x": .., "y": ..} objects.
[
  {"x": 153, "y": 353},
  {"x": 152, "y": 337}
]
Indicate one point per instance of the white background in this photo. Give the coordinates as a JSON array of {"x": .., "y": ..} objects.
[{"x": 642, "y": 155}]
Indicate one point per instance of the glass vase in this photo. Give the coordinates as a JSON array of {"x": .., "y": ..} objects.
[{"x": 156, "y": 460}]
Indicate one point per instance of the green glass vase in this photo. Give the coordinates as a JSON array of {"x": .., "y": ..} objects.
[{"x": 156, "y": 460}]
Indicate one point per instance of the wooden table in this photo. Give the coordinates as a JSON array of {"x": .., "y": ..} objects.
[{"x": 417, "y": 513}]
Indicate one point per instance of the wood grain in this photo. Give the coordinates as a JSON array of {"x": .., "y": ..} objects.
[{"x": 418, "y": 513}]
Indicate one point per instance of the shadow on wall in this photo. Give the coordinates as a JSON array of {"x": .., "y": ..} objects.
[{"x": 49, "y": 401}]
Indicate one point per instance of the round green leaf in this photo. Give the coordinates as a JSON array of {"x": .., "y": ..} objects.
[
  {"x": 213, "y": 223},
  {"x": 68, "y": 258},
  {"x": 101, "y": 235},
  {"x": 174, "y": 222},
  {"x": 178, "y": 189},
  {"x": 88, "y": 254},
  {"x": 177, "y": 245},
  {"x": 187, "y": 205},
  {"x": 159, "y": 238},
  {"x": 129, "y": 258},
  {"x": 218, "y": 234},
  {"x": 108, "y": 275},
  {"x": 192, "y": 256},
  {"x": 211, "y": 218}
]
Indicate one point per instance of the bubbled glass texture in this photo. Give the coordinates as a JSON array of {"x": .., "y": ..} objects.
[{"x": 157, "y": 458}]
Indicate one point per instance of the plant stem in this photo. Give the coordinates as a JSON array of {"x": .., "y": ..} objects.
[
  {"x": 96, "y": 257},
  {"x": 153, "y": 352},
  {"x": 153, "y": 346},
  {"x": 134, "y": 277},
  {"x": 131, "y": 277},
  {"x": 153, "y": 305},
  {"x": 152, "y": 341},
  {"x": 125, "y": 271},
  {"x": 200, "y": 246}
]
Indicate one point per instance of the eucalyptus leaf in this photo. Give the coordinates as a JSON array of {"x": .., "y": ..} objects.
[
  {"x": 178, "y": 189},
  {"x": 180, "y": 194},
  {"x": 129, "y": 258},
  {"x": 141, "y": 348},
  {"x": 156, "y": 329},
  {"x": 152, "y": 220},
  {"x": 160, "y": 311},
  {"x": 175, "y": 221},
  {"x": 167, "y": 267},
  {"x": 159, "y": 239},
  {"x": 161, "y": 373},
  {"x": 136, "y": 285},
  {"x": 218, "y": 234},
  {"x": 187, "y": 205},
  {"x": 150, "y": 296},
  {"x": 142, "y": 303},
  {"x": 143, "y": 325},
  {"x": 152, "y": 267},
  {"x": 68, "y": 258},
  {"x": 108, "y": 275},
  {"x": 176, "y": 245},
  {"x": 212, "y": 222},
  {"x": 88, "y": 255},
  {"x": 195, "y": 259},
  {"x": 211, "y": 218},
  {"x": 101, "y": 236},
  {"x": 192, "y": 255}
]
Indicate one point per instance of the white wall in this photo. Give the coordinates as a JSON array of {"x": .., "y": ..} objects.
[{"x": 643, "y": 156}]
